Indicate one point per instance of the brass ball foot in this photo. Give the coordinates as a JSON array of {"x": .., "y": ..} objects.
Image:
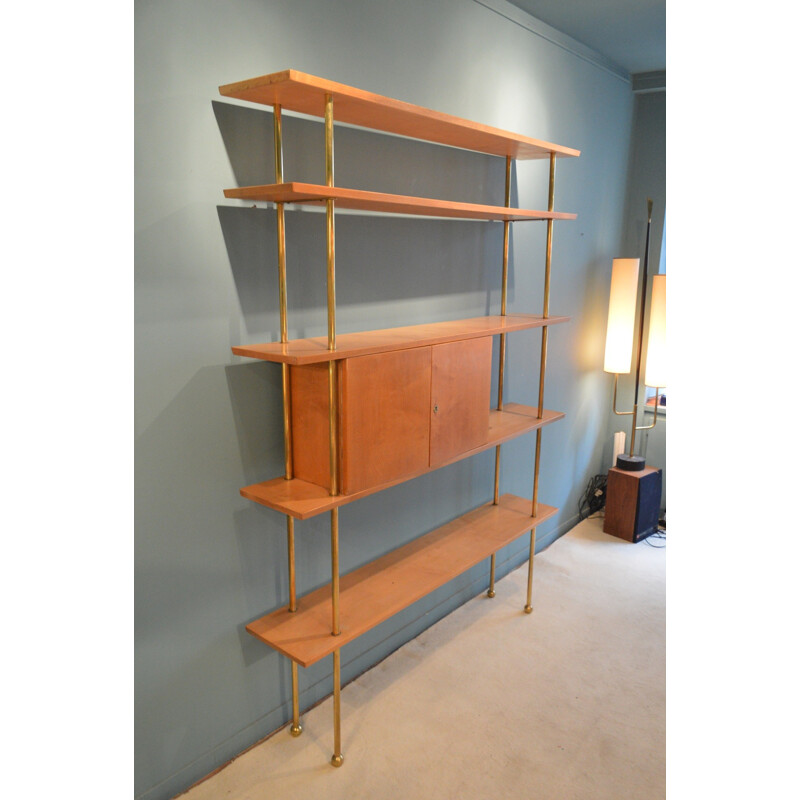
[
  {"x": 528, "y": 609},
  {"x": 295, "y": 730},
  {"x": 490, "y": 593},
  {"x": 337, "y": 761}
]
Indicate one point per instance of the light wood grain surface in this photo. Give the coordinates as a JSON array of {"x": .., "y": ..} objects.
[
  {"x": 385, "y": 409},
  {"x": 305, "y": 93},
  {"x": 461, "y": 385},
  {"x": 308, "y": 351},
  {"x": 361, "y": 200},
  {"x": 302, "y": 500},
  {"x": 373, "y": 593}
]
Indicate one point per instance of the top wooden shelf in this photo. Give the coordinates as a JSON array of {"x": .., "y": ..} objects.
[{"x": 298, "y": 91}]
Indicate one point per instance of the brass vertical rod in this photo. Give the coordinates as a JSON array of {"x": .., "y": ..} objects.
[
  {"x": 546, "y": 297},
  {"x": 504, "y": 289},
  {"x": 337, "y": 758},
  {"x": 529, "y": 605},
  {"x": 287, "y": 421},
  {"x": 330, "y": 224},
  {"x": 292, "y": 576},
  {"x": 296, "y": 728},
  {"x": 328, "y": 140},
  {"x": 331, "y": 236},
  {"x": 333, "y": 427},
  {"x": 502, "y": 358},
  {"x": 490, "y": 592},
  {"x": 282, "y": 295},
  {"x": 496, "y": 499},
  {"x": 331, "y": 251},
  {"x": 278, "y": 148},
  {"x": 285, "y": 375},
  {"x": 501, "y": 382},
  {"x": 282, "y": 270},
  {"x": 335, "y": 629},
  {"x": 537, "y": 458},
  {"x": 549, "y": 251},
  {"x": 641, "y": 325},
  {"x": 278, "y": 142},
  {"x": 331, "y": 278},
  {"x": 332, "y": 376},
  {"x": 542, "y": 367},
  {"x": 545, "y": 314}
]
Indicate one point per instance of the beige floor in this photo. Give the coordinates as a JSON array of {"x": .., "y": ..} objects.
[{"x": 565, "y": 704}]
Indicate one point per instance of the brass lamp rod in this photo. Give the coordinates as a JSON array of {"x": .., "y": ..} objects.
[{"x": 641, "y": 324}]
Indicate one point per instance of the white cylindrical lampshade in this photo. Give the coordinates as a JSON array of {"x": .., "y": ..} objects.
[
  {"x": 621, "y": 315},
  {"x": 655, "y": 373}
]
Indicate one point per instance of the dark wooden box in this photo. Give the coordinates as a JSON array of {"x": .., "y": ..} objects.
[{"x": 633, "y": 500}]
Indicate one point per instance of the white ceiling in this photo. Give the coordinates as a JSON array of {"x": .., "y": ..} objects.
[{"x": 631, "y": 33}]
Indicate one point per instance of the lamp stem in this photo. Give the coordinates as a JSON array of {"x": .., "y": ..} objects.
[{"x": 641, "y": 324}]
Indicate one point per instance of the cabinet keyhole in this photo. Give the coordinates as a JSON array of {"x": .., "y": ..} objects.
[{"x": 436, "y": 408}]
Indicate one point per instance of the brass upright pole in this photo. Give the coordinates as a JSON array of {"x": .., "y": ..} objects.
[
  {"x": 330, "y": 225},
  {"x": 331, "y": 249},
  {"x": 337, "y": 758},
  {"x": 281, "y": 221},
  {"x": 641, "y": 328},
  {"x": 296, "y": 728},
  {"x": 282, "y": 298},
  {"x": 500, "y": 380},
  {"x": 332, "y": 387},
  {"x": 545, "y": 314},
  {"x": 542, "y": 367},
  {"x": 335, "y": 628}
]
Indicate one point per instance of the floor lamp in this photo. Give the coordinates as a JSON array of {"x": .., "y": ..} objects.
[
  {"x": 622, "y": 313},
  {"x": 633, "y": 490}
]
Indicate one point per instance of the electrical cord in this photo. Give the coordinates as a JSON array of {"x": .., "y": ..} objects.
[
  {"x": 661, "y": 533},
  {"x": 594, "y": 498}
]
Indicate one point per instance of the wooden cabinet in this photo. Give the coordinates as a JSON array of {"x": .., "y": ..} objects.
[
  {"x": 364, "y": 411},
  {"x": 399, "y": 413},
  {"x": 384, "y": 410},
  {"x": 460, "y": 388}
]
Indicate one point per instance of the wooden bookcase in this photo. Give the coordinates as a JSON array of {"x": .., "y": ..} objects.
[{"x": 366, "y": 411}]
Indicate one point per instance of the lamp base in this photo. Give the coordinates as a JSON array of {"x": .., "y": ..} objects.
[{"x": 630, "y": 463}]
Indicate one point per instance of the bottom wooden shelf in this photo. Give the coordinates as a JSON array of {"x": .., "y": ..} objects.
[{"x": 373, "y": 593}]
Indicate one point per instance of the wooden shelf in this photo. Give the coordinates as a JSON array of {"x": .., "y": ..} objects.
[
  {"x": 348, "y": 345},
  {"x": 306, "y": 93},
  {"x": 317, "y": 194},
  {"x": 373, "y": 593},
  {"x": 301, "y": 499}
]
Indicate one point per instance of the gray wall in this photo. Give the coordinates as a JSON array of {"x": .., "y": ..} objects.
[
  {"x": 207, "y": 423},
  {"x": 646, "y": 178}
]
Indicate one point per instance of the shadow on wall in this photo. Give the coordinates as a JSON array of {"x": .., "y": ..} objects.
[
  {"x": 364, "y": 159},
  {"x": 379, "y": 258},
  {"x": 256, "y": 396}
]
